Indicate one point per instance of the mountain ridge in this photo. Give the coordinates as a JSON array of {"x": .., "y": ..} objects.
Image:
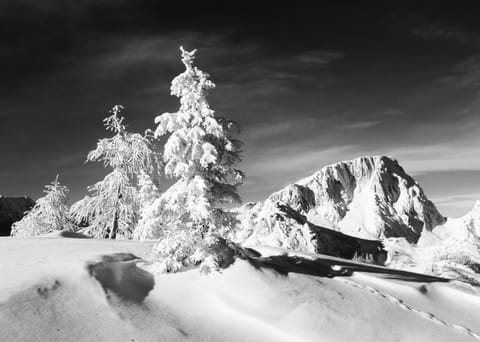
[{"x": 367, "y": 197}]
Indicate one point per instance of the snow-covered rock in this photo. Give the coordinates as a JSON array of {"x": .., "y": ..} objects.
[
  {"x": 12, "y": 209},
  {"x": 290, "y": 229},
  {"x": 368, "y": 197}
]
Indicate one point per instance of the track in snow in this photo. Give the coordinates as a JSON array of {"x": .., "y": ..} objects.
[{"x": 424, "y": 314}]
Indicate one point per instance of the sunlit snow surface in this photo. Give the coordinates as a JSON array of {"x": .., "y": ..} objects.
[{"x": 47, "y": 294}]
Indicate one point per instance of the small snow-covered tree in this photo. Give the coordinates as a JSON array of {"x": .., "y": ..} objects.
[
  {"x": 148, "y": 192},
  {"x": 200, "y": 154},
  {"x": 112, "y": 209},
  {"x": 49, "y": 213},
  {"x": 82, "y": 211}
]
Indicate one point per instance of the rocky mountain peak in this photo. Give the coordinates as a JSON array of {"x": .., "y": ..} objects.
[{"x": 367, "y": 197}]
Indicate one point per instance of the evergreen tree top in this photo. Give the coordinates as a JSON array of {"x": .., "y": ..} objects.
[
  {"x": 128, "y": 151},
  {"x": 188, "y": 57},
  {"x": 56, "y": 189},
  {"x": 114, "y": 122}
]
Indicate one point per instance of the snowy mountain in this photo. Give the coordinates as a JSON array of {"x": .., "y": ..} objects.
[
  {"x": 368, "y": 197},
  {"x": 12, "y": 209},
  {"x": 367, "y": 200}
]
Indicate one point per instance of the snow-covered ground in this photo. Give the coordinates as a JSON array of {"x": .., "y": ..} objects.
[{"x": 48, "y": 294}]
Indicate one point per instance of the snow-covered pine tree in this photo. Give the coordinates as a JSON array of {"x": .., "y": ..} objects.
[
  {"x": 148, "y": 192},
  {"x": 200, "y": 154},
  {"x": 112, "y": 209},
  {"x": 50, "y": 213},
  {"x": 82, "y": 212}
]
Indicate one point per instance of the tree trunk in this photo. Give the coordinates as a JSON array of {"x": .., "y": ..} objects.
[{"x": 113, "y": 233}]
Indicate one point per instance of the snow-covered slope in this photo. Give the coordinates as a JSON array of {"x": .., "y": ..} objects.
[
  {"x": 466, "y": 227},
  {"x": 368, "y": 197},
  {"x": 451, "y": 249},
  {"x": 49, "y": 294},
  {"x": 12, "y": 209}
]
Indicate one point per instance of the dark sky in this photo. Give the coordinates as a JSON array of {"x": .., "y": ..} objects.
[{"x": 309, "y": 85}]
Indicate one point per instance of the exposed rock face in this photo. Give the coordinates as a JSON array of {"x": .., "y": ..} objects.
[
  {"x": 12, "y": 209},
  {"x": 330, "y": 242},
  {"x": 368, "y": 198},
  {"x": 371, "y": 197}
]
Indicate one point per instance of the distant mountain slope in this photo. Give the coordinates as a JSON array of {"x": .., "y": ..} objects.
[
  {"x": 451, "y": 250},
  {"x": 466, "y": 227},
  {"x": 368, "y": 197},
  {"x": 12, "y": 209}
]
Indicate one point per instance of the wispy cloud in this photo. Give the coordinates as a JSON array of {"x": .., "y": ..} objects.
[
  {"x": 164, "y": 49},
  {"x": 277, "y": 167},
  {"x": 361, "y": 124},
  {"x": 280, "y": 129},
  {"x": 319, "y": 57},
  {"x": 468, "y": 72},
  {"x": 134, "y": 51},
  {"x": 444, "y": 32},
  {"x": 446, "y": 156},
  {"x": 284, "y": 68},
  {"x": 465, "y": 77},
  {"x": 457, "y": 199}
]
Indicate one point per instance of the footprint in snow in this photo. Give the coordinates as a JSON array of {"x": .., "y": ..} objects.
[{"x": 424, "y": 314}]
